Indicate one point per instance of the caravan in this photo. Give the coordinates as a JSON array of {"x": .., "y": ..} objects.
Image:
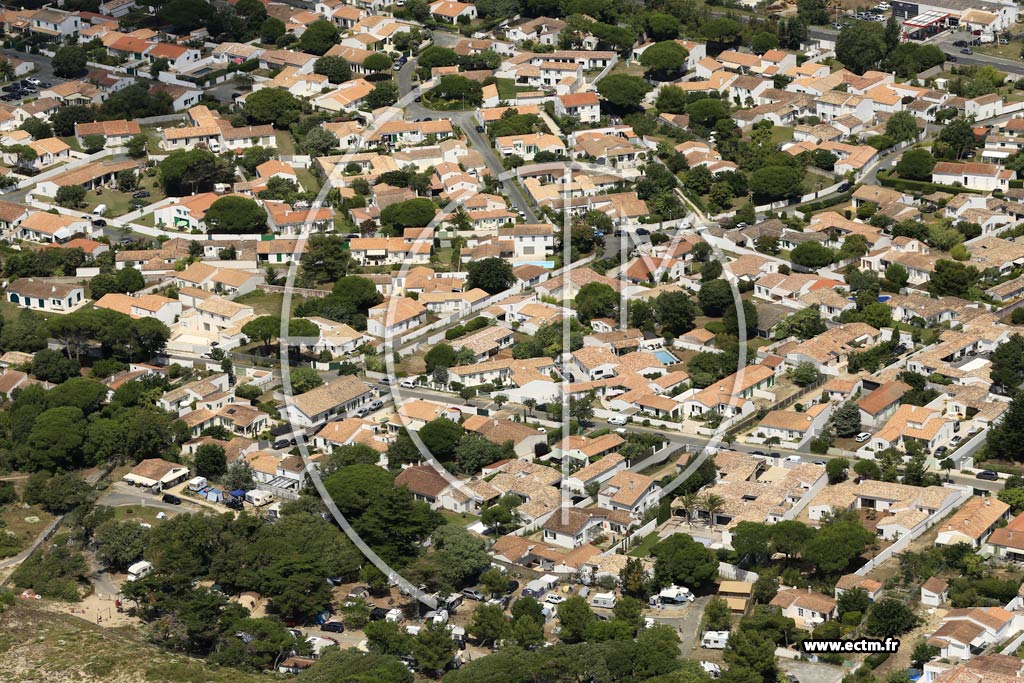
[
  {"x": 139, "y": 570},
  {"x": 605, "y": 600}
]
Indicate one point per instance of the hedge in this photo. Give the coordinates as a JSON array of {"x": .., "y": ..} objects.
[{"x": 886, "y": 180}]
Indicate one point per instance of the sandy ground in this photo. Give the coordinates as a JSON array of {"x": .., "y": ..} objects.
[{"x": 95, "y": 610}]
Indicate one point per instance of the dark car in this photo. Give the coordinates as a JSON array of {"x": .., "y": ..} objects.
[
  {"x": 171, "y": 499},
  {"x": 940, "y": 451},
  {"x": 140, "y": 194},
  {"x": 281, "y": 444},
  {"x": 333, "y": 627},
  {"x": 643, "y": 231},
  {"x": 11, "y": 87},
  {"x": 988, "y": 475},
  {"x": 951, "y": 58},
  {"x": 378, "y": 613},
  {"x": 513, "y": 586},
  {"x": 99, "y": 223},
  {"x": 479, "y": 129}
]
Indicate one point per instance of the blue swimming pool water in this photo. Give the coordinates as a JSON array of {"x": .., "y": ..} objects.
[{"x": 665, "y": 357}]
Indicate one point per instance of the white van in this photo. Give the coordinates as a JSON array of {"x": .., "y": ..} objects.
[
  {"x": 605, "y": 600},
  {"x": 618, "y": 420},
  {"x": 408, "y": 383},
  {"x": 139, "y": 570},
  {"x": 714, "y": 640},
  {"x": 100, "y": 210}
]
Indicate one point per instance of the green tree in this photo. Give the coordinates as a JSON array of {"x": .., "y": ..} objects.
[
  {"x": 846, "y": 420},
  {"x": 305, "y": 379},
  {"x": 575, "y": 617},
  {"x": 676, "y": 312},
  {"x": 377, "y": 62},
  {"x": 459, "y": 557},
  {"x": 917, "y": 164},
  {"x": 714, "y": 297},
  {"x": 732, "y": 323},
  {"x": 664, "y": 59},
  {"x": 836, "y": 545},
  {"x": 623, "y": 91},
  {"x": 889, "y": 618},
  {"x": 336, "y": 69},
  {"x": 493, "y": 275},
  {"x": 271, "y": 29},
  {"x": 273, "y": 105},
  {"x": 236, "y": 215},
  {"x": 812, "y": 11},
  {"x": 951, "y": 278},
  {"x": 763, "y": 42},
  {"x": 596, "y": 300},
  {"x": 958, "y": 135},
  {"x": 318, "y": 37},
  {"x": 776, "y": 182},
  {"x": 265, "y": 328},
  {"x": 861, "y": 46},
  {"x": 812, "y": 255},
  {"x": 433, "y": 648},
  {"x": 69, "y": 61},
  {"x": 489, "y": 624},
  {"x": 441, "y": 437},
  {"x": 902, "y": 126},
  {"x": 836, "y": 470},
  {"x": 682, "y": 561},
  {"x": 717, "y": 615},
  {"x": 415, "y": 213},
  {"x": 211, "y": 460},
  {"x": 70, "y": 196},
  {"x": 119, "y": 544}
]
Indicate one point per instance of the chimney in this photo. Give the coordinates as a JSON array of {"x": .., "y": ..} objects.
[{"x": 987, "y": 501}]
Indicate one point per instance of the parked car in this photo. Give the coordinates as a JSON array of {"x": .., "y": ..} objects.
[
  {"x": 408, "y": 383},
  {"x": 99, "y": 223},
  {"x": 988, "y": 475},
  {"x": 967, "y": 51},
  {"x": 479, "y": 129},
  {"x": 333, "y": 627},
  {"x": 955, "y": 441},
  {"x": 959, "y": 43},
  {"x": 862, "y": 437},
  {"x": 140, "y": 194},
  {"x": 378, "y": 614},
  {"x": 513, "y": 586},
  {"x": 473, "y": 594},
  {"x": 554, "y": 599},
  {"x": 951, "y": 58},
  {"x": 171, "y": 499}
]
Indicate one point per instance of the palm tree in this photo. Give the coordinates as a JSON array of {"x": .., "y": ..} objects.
[
  {"x": 530, "y": 404},
  {"x": 712, "y": 504},
  {"x": 689, "y": 503}
]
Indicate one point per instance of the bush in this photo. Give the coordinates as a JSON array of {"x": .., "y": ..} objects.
[{"x": 820, "y": 445}]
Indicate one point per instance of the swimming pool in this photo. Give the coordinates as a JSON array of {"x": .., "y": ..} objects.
[{"x": 665, "y": 357}]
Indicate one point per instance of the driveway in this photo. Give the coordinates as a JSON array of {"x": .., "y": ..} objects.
[{"x": 686, "y": 621}]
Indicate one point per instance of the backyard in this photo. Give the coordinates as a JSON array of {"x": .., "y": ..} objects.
[{"x": 120, "y": 203}]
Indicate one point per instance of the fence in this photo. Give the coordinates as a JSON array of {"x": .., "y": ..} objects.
[
  {"x": 734, "y": 573},
  {"x": 297, "y": 291},
  {"x": 806, "y": 499},
  {"x": 784, "y": 403},
  {"x": 901, "y": 544}
]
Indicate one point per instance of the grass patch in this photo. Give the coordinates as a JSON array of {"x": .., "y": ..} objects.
[
  {"x": 119, "y": 203},
  {"x": 307, "y": 180},
  {"x": 136, "y": 513},
  {"x": 1009, "y": 51},
  {"x": 265, "y": 303},
  {"x": 643, "y": 549},
  {"x": 506, "y": 88},
  {"x": 781, "y": 134},
  {"x": 462, "y": 519},
  {"x": 285, "y": 142}
]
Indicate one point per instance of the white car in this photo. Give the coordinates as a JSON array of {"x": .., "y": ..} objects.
[
  {"x": 862, "y": 437},
  {"x": 793, "y": 458},
  {"x": 554, "y": 599},
  {"x": 882, "y": 6},
  {"x": 408, "y": 383},
  {"x": 618, "y": 420}
]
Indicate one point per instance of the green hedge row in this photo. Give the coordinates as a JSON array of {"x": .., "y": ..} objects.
[{"x": 886, "y": 180}]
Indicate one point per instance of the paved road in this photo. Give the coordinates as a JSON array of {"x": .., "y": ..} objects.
[{"x": 944, "y": 41}]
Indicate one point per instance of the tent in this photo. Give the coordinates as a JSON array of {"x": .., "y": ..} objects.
[{"x": 215, "y": 495}]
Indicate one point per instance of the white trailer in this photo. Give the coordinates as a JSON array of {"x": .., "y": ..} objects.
[
  {"x": 714, "y": 640},
  {"x": 605, "y": 600},
  {"x": 258, "y": 498},
  {"x": 139, "y": 570}
]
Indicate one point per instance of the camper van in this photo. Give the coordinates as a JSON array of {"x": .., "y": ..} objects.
[
  {"x": 139, "y": 570},
  {"x": 673, "y": 595},
  {"x": 714, "y": 640},
  {"x": 99, "y": 210},
  {"x": 605, "y": 600},
  {"x": 197, "y": 484}
]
